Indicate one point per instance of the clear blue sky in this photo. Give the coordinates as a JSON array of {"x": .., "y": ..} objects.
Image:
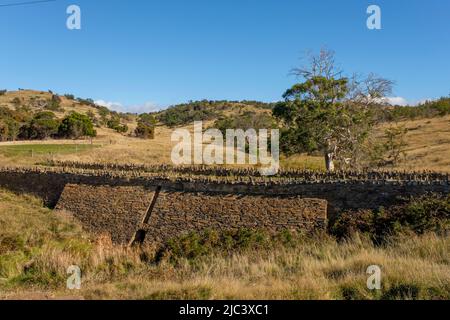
[{"x": 161, "y": 52}]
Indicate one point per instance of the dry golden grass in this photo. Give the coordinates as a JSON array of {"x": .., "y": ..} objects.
[
  {"x": 428, "y": 142},
  {"x": 38, "y": 245},
  {"x": 26, "y": 97}
]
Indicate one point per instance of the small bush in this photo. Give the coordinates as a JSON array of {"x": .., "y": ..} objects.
[
  {"x": 16, "y": 101},
  {"x": 197, "y": 244},
  {"x": 402, "y": 291},
  {"x": 115, "y": 124},
  {"x": 146, "y": 127},
  {"x": 421, "y": 215},
  {"x": 54, "y": 104}
]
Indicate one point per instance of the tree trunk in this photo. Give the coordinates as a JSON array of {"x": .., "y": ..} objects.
[{"x": 329, "y": 161}]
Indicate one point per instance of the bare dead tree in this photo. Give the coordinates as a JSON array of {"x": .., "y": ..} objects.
[{"x": 320, "y": 65}]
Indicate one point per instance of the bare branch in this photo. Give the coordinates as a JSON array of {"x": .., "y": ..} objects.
[{"x": 319, "y": 65}]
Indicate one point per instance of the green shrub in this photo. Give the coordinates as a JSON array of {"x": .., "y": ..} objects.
[
  {"x": 114, "y": 123},
  {"x": 43, "y": 125},
  {"x": 10, "y": 122},
  {"x": 54, "y": 104},
  {"x": 197, "y": 244},
  {"x": 421, "y": 215},
  {"x": 75, "y": 126},
  {"x": 146, "y": 126}
]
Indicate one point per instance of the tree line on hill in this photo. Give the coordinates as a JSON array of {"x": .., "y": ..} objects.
[
  {"x": 327, "y": 113},
  {"x": 186, "y": 113},
  {"x": 16, "y": 125},
  {"x": 427, "y": 109},
  {"x": 115, "y": 120},
  {"x": 22, "y": 122}
]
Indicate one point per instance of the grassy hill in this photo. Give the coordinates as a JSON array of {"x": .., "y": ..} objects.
[
  {"x": 427, "y": 138},
  {"x": 428, "y": 144},
  {"x": 205, "y": 110},
  {"x": 39, "y": 101}
]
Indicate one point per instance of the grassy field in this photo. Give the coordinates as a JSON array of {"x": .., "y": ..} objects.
[
  {"x": 37, "y": 246},
  {"x": 428, "y": 149},
  {"x": 37, "y": 150},
  {"x": 428, "y": 142}
]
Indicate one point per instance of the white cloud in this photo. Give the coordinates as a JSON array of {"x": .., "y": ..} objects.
[
  {"x": 138, "y": 108},
  {"x": 396, "y": 101},
  {"x": 423, "y": 101},
  {"x": 144, "y": 108},
  {"x": 400, "y": 101},
  {"x": 116, "y": 106}
]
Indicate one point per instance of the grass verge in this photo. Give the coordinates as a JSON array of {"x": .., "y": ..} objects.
[{"x": 38, "y": 245}]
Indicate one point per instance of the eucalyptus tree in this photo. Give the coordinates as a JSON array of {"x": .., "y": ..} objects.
[{"x": 329, "y": 112}]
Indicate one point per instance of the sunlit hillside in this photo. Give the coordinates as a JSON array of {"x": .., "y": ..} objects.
[
  {"x": 36, "y": 100},
  {"x": 428, "y": 140}
]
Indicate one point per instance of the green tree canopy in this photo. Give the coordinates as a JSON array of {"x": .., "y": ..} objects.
[
  {"x": 75, "y": 126},
  {"x": 43, "y": 125},
  {"x": 328, "y": 112}
]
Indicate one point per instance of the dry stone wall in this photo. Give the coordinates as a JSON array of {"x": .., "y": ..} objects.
[
  {"x": 177, "y": 213},
  {"x": 161, "y": 215},
  {"x": 367, "y": 191},
  {"x": 116, "y": 211},
  {"x": 118, "y": 202}
]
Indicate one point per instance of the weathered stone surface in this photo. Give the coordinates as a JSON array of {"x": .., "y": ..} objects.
[
  {"x": 116, "y": 211},
  {"x": 120, "y": 211},
  {"x": 354, "y": 192},
  {"x": 177, "y": 213},
  {"x": 116, "y": 201}
]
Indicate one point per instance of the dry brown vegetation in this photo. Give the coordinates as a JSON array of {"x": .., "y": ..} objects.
[
  {"x": 428, "y": 148},
  {"x": 428, "y": 142},
  {"x": 37, "y": 246},
  {"x": 27, "y": 96}
]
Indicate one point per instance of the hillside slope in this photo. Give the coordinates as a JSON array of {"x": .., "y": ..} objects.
[
  {"x": 38, "y": 101},
  {"x": 428, "y": 140},
  {"x": 428, "y": 144}
]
